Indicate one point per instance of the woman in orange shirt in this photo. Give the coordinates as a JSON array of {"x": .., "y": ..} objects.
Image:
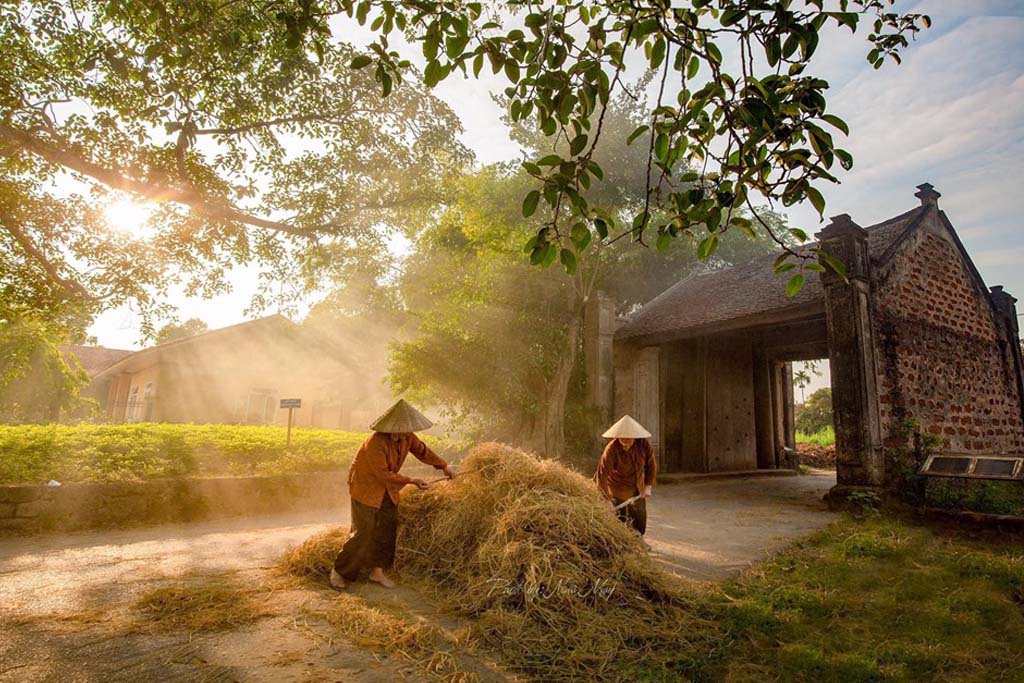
[
  {"x": 374, "y": 485},
  {"x": 627, "y": 470}
]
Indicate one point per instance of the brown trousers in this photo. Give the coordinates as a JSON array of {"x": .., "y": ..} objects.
[{"x": 372, "y": 540}]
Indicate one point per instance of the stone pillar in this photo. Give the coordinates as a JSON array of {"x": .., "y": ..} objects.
[
  {"x": 1006, "y": 307},
  {"x": 598, "y": 338},
  {"x": 852, "y": 356},
  {"x": 788, "y": 458}
]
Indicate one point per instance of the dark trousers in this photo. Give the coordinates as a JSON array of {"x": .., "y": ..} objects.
[
  {"x": 634, "y": 514},
  {"x": 372, "y": 540}
]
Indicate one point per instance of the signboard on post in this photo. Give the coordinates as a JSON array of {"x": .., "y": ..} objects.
[{"x": 291, "y": 404}]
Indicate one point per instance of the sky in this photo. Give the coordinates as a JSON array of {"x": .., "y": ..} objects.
[{"x": 952, "y": 114}]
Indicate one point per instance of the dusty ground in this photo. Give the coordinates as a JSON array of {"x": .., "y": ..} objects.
[
  {"x": 712, "y": 529},
  {"x": 65, "y": 601}
]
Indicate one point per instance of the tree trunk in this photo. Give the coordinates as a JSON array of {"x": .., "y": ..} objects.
[{"x": 558, "y": 390}]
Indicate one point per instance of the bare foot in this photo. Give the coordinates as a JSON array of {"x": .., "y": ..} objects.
[{"x": 378, "y": 576}]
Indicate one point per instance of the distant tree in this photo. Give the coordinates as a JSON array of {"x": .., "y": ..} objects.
[
  {"x": 816, "y": 412},
  {"x": 172, "y": 331},
  {"x": 37, "y": 382},
  {"x": 801, "y": 378}
]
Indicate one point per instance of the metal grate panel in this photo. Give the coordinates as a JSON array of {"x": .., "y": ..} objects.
[{"x": 974, "y": 466}]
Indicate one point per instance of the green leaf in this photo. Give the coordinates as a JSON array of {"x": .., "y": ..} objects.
[
  {"x": 799, "y": 234},
  {"x": 794, "y": 285},
  {"x": 360, "y": 61},
  {"x": 580, "y": 236},
  {"x": 432, "y": 74},
  {"x": 714, "y": 53},
  {"x": 773, "y": 50},
  {"x": 530, "y": 203},
  {"x": 816, "y": 200},
  {"x": 661, "y": 147},
  {"x": 845, "y": 158},
  {"x": 550, "y": 160},
  {"x": 550, "y": 254},
  {"x": 455, "y": 45},
  {"x": 835, "y": 264},
  {"x": 512, "y": 71},
  {"x": 601, "y": 227},
  {"x": 664, "y": 241},
  {"x": 707, "y": 246},
  {"x": 636, "y": 133},
  {"x": 837, "y": 122},
  {"x": 578, "y": 144},
  {"x": 732, "y": 16},
  {"x": 568, "y": 260}
]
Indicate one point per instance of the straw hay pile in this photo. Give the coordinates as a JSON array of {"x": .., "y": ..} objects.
[{"x": 555, "y": 582}]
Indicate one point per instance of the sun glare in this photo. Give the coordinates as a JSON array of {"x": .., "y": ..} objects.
[{"x": 128, "y": 217}]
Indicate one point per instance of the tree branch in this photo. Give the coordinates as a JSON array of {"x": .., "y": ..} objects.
[
  {"x": 72, "y": 287},
  {"x": 117, "y": 179}
]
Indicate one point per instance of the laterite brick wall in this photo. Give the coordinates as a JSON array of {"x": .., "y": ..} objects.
[{"x": 942, "y": 353}]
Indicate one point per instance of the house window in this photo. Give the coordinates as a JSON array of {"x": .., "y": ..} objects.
[
  {"x": 260, "y": 407},
  {"x": 147, "y": 402},
  {"x": 131, "y": 409}
]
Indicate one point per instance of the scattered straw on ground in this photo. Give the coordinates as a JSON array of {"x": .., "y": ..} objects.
[
  {"x": 314, "y": 557},
  {"x": 202, "y": 603},
  {"x": 421, "y": 643}
]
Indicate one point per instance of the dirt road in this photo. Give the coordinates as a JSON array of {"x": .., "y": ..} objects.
[{"x": 702, "y": 530}]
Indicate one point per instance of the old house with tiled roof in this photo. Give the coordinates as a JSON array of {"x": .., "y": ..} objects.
[
  {"x": 94, "y": 359},
  {"x": 236, "y": 375},
  {"x": 911, "y": 334}
]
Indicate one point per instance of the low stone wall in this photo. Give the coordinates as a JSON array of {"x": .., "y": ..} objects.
[{"x": 34, "y": 509}]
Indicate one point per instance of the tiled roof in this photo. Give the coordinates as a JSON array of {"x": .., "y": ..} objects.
[
  {"x": 714, "y": 297},
  {"x": 95, "y": 359}
]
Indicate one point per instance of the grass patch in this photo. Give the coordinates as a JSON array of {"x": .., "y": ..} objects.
[
  {"x": 825, "y": 436},
  {"x": 202, "y": 603},
  {"x": 991, "y": 497},
  {"x": 85, "y": 452},
  {"x": 880, "y": 600}
]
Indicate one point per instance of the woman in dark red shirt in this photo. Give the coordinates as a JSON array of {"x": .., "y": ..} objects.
[{"x": 627, "y": 470}]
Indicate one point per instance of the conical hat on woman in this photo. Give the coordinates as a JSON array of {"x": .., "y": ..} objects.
[
  {"x": 627, "y": 428},
  {"x": 401, "y": 417}
]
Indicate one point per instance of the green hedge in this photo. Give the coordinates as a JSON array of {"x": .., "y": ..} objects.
[{"x": 38, "y": 453}]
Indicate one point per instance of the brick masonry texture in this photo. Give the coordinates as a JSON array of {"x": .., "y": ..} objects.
[{"x": 943, "y": 356}]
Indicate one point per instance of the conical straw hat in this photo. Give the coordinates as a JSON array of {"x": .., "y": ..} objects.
[
  {"x": 401, "y": 417},
  {"x": 627, "y": 428}
]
